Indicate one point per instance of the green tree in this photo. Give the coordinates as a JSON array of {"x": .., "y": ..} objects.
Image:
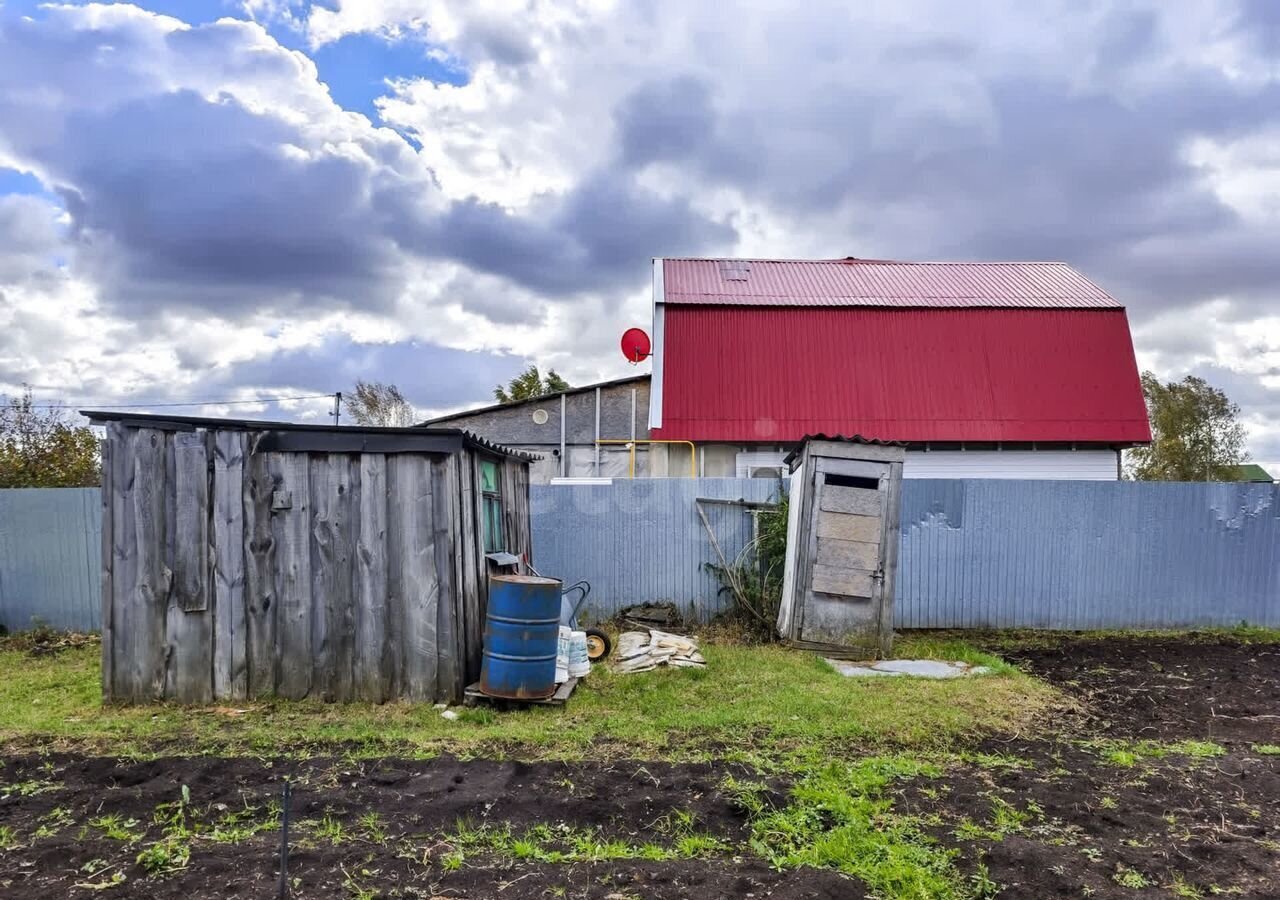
[
  {"x": 375, "y": 404},
  {"x": 1196, "y": 433},
  {"x": 44, "y": 448},
  {"x": 528, "y": 384}
]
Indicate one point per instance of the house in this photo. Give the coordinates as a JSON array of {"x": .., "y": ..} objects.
[
  {"x": 984, "y": 370},
  {"x": 1250, "y": 472},
  {"x": 249, "y": 559},
  {"x": 563, "y": 429}
]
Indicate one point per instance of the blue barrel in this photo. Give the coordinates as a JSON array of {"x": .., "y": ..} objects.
[{"x": 521, "y": 630}]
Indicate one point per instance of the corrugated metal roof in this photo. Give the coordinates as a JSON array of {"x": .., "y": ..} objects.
[
  {"x": 770, "y": 374},
  {"x": 851, "y": 282},
  {"x": 342, "y": 432}
]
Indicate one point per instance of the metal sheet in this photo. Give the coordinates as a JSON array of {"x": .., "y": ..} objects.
[
  {"x": 1079, "y": 554},
  {"x": 51, "y": 558},
  {"x": 640, "y": 540},
  {"x": 846, "y": 282},
  {"x": 775, "y": 374}
]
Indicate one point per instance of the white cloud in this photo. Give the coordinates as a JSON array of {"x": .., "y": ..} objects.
[{"x": 213, "y": 186}]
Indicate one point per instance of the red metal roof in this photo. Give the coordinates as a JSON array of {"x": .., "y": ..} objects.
[
  {"x": 775, "y": 374},
  {"x": 850, "y": 282}
]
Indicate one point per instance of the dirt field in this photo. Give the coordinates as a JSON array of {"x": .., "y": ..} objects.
[{"x": 1165, "y": 782}]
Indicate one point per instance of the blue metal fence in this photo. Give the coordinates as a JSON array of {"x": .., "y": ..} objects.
[
  {"x": 642, "y": 540},
  {"x": 50, "y": 558},
  {"x": 1081, "y": 554},
  {"x": 975, "y": 553}
]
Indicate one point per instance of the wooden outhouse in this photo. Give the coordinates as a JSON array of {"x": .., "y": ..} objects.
[
  {"x": 245, "y": 559},
  {"x": 842, "y": 545}
]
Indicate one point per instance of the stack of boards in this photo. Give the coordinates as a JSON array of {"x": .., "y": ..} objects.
[{"x": 640, "y": 651}]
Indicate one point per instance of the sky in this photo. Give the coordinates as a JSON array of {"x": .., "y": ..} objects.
[{"x": 248, "y": 199}]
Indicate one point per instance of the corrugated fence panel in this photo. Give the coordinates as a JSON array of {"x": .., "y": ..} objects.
[
  {"x": 50, "y": 558},
  {"x": 975, "y": 553},
  {"x": 1078, "y": 555},
  {"x": 641, "y": 540}
]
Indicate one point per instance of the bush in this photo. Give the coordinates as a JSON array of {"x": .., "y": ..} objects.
[{"x": 753, "y": 580}]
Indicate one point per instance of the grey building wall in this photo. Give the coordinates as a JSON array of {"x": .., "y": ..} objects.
[{"x": 513, "y": 425}]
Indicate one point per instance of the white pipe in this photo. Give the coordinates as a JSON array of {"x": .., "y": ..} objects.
[
  {"x": 597, "y": 432},
  {"x": 564, "y": 460},
  {"x": 633, "y": 414}
]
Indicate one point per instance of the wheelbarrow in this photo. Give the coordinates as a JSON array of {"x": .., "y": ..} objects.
[{"x": 572, "y": 600}]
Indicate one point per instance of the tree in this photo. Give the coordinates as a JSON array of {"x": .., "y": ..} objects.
[
  {"x": 1196, "y": 434},
  {"x": 529, "y": 384},
  {"x": 44, "y": 448},
  {"x": 379, "y": 405}
]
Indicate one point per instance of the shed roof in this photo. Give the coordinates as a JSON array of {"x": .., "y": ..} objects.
[
  {"x": 875, "y": 282},
  {"x": 299, "y": 436},
  {"x": 1250, "y": 472}
]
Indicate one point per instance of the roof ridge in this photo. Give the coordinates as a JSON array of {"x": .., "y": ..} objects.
[{"x": 852, "y": 260}]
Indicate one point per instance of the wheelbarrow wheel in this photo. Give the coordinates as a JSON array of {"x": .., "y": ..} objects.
[{"x": 598, "y": 644}]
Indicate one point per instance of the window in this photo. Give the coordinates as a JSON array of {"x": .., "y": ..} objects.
[{"x": 491, "y": 507}]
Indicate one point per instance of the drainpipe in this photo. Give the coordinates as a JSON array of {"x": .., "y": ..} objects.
[
  {"x": 597, "y": 432},
  {"x": 564, "y": 459}
]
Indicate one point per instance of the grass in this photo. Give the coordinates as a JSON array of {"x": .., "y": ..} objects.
[
  {"x": 750, "y": 703},
  {"x": 564, "y": 844},
  {"x": 1023, "y": 639},
  {"x": 1267, "y": 749},
  {"x": 1130, "y": 753}
]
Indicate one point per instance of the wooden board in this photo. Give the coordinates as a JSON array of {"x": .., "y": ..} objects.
[
  {"x": 845, "y": 527},
  {"x": 291, "y": 532},
  {"x": 371, "y": 659},
  {"x": 413, "y": 582},
  {"x": 261, "y": 608},
  {"x": 189, "y": 666},
  {"x": 846, "y": 582},
  {"x": 855, "y": 501},
  {"x": 230, "y": 670},
  {"x": 848, "y": 554},
  {"x": 108, "y": 558}
]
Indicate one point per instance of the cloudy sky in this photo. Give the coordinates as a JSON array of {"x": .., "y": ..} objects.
[{"x": 217, "y": 199}]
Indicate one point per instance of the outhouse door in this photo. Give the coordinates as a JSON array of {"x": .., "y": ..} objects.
[{"x": 849, "y": 539}]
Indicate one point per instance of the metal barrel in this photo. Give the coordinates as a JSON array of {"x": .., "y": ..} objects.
[{"x": 521, "y": 629}]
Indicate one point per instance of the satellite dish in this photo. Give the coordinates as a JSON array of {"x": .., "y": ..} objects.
[{"x": 636, "y": 346}]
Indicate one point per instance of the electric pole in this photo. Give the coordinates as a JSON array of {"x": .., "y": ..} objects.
[{"x": 337, "y": 406}]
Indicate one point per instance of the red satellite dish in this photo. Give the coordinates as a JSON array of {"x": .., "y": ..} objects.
[{"x": 635, "y": 345}]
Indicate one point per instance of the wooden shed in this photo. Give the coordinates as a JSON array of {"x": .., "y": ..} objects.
[
  {"x": 842, "y": 545},
  {"x": 245, "y": 559}
]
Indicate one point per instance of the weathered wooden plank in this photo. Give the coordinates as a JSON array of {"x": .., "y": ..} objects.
[
  {"x": 230, "y": 670},
  {"x": 108, "y": 557},
  {"x": 151, "y": 595},
  {"x": 331, "y": 576},
  {"x": 415, "y": 550},
  {"x": 447, "y": 508},
  {"x": 291, "y": 532},
  {"x": 470, "y": 622},
  {"x": 191, "y": 521},
  {"x": 856, "y": 501},
  {"x": 849, "y": 528},
  {"x": 373, "y": 660},
  {"x": 892, "y": 534},
  {"x": 124, "y": 566},
  {"x": 259, "y": 575},
  {"x": 847, "y": 582},
  {"x": 848, "y": 554},
  {"x": 189, "y": 669}
]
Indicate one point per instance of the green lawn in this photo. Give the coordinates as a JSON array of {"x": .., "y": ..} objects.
[{"x": 766, "y": 705}]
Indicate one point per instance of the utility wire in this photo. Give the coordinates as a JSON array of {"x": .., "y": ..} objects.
[{"x": 186, "y": 403}]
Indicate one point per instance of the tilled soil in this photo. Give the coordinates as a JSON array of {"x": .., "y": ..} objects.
[
  {"x": 1164, "y": 688},
  {"x": 1048, "y": 815}
]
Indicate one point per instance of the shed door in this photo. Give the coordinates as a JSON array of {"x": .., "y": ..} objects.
[{"x": 846, "y": 551}]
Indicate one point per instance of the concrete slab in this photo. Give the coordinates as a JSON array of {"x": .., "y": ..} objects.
[{"x": 920, "y": 668}]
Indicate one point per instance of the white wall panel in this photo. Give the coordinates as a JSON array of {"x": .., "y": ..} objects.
[{"x": 1068, "y": 465}]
